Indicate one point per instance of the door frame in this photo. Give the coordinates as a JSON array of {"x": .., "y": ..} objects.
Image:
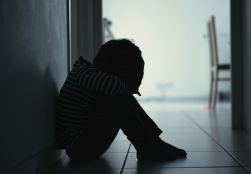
[{"x": 241, "y": 118}]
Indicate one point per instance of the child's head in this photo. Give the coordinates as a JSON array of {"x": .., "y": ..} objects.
[{"x": 123, "y": 59}]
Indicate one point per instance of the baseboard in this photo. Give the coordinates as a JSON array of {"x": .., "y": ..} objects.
[
  {"x": 38, "y": 163},
  {"x": 247, "y": 124}
]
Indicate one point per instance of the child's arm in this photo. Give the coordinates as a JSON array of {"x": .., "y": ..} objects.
[{"x": 103, "y": 83}]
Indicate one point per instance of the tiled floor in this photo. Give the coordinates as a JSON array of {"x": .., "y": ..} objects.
[{"x": 212, "y": 146}]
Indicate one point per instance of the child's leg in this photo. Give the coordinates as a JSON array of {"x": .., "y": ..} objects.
[
  {"x": 117, "y": 112},
  {"x": 138, "y": 132},
  {"x": 98, "y": 134},
  {"x": 154, "y": 128}
]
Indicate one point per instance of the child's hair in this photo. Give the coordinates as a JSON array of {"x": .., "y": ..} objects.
[{"x": 123, "y": 59}]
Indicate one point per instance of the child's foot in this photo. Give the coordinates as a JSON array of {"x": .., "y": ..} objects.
[
  {"x": 177, "y": 151},
  {"x": 155, "y": 153}
]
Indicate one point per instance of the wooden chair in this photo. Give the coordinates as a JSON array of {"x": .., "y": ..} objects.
[{"x": 215, "y": 66}]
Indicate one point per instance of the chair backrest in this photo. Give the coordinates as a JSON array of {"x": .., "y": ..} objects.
[{"x": 212, "y": 41}]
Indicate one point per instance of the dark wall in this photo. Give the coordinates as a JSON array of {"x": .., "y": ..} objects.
[
  {"x": 33, "y": 67},
  {"x": 241, "y": 63},
  {"x": 247, "y": 62}
]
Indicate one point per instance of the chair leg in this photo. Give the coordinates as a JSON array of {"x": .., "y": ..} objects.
[
  {"x": 215, "y": 90},
  {"x": 211, "y": 91}
]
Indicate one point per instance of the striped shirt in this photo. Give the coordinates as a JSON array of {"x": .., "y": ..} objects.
[{"x": 83, "y": 89}]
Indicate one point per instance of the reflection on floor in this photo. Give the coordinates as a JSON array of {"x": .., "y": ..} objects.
[{"x": 212, "y": 146}]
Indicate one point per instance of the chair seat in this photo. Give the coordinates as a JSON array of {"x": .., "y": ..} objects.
[
  {"x": 222, "y": 78},
  {"x": 220, "y": 67},
  {"x": 224, "y": 66}
]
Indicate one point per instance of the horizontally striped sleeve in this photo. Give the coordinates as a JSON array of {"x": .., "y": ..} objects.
[{"x": 103, "y": 83}]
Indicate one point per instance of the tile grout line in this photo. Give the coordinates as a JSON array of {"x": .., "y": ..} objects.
[
  {"x": 125, "y": 159},
  {"x": 191, "y": 119}
]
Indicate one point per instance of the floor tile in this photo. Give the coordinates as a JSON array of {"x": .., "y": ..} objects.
[
  {"x": 194, "y": 159},
  {"x": 119, "y": 146},
  {"x": 82, "y": 170},
  {"x": 174, "y": 130},
  {"x": 230, "y": 170},
  {"x": 205, "y": 135},
  {"x": 121, "y": 137},
  {"x": 243, "y": 158},
  {"x": 163, "y": 120},
  {"x": 220, "y": 133},
  {"x": 218, "y": 118},
  {"x": 109, "y": 162},
  {"x": 231, "y": 140},
  {"x": 236, "y": 145}
]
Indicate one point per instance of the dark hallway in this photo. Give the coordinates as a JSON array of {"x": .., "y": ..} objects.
[{"x": 38, "y": 43}]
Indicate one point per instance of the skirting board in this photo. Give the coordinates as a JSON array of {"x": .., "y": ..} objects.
[{"x": 247, "y": 124}]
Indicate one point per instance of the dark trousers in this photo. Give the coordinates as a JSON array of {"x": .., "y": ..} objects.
[{"x": 114, "y": 113}]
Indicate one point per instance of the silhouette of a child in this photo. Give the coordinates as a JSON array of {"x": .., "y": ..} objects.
[{"x": 96, "y": 101}]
